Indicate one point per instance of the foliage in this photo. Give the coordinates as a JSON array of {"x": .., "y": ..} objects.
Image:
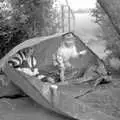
[
  {"x": 108, "y": 32},
  {"x": 24, "y": 19}
]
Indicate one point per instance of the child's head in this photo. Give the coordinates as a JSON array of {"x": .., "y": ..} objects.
[
  {"x": 69, "y": 40},
  {"x": 69, "y": 43}
]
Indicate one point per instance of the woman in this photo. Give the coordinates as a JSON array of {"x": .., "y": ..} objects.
[{"x": 25, "y": 61}]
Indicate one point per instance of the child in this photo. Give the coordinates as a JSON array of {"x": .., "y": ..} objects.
[{"x": 66, "y": 51}]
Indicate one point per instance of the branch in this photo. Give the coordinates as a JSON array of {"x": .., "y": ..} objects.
[{"x": 112, "y": 9}]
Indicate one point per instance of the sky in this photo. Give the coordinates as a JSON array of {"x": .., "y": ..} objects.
[{"x": 83, "y": 4}]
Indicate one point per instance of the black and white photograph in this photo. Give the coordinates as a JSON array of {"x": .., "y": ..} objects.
[{"x": 59, "y": 59}]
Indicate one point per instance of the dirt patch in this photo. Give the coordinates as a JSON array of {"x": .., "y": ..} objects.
[
  {"x": 105, "y": 98},
  {"x": 26, "y": 109}
]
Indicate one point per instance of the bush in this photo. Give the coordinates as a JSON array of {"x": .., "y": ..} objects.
[{"x": 24, "y": 19}]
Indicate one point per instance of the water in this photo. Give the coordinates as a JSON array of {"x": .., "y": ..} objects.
[
  {"x": 88, "y": 31},
  {"x": 85, "y": 24}
]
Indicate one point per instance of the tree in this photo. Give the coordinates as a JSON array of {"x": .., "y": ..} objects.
[
  {"x": 24, "y": 19},
  {"x": 109, "y": 10},
  {"x": 108, "y": 31},
  {"x": 111, "y": 7}
]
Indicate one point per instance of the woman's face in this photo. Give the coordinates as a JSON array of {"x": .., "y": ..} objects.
[{"x": 29, "y": 51}]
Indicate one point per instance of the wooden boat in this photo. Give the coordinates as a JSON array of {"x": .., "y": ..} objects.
[{"x": 61, "y": 98}]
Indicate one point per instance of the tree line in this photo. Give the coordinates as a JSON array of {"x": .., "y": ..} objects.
[
  {"x": 108, "y": 17},
  {"x": 24, "y": 19}
]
